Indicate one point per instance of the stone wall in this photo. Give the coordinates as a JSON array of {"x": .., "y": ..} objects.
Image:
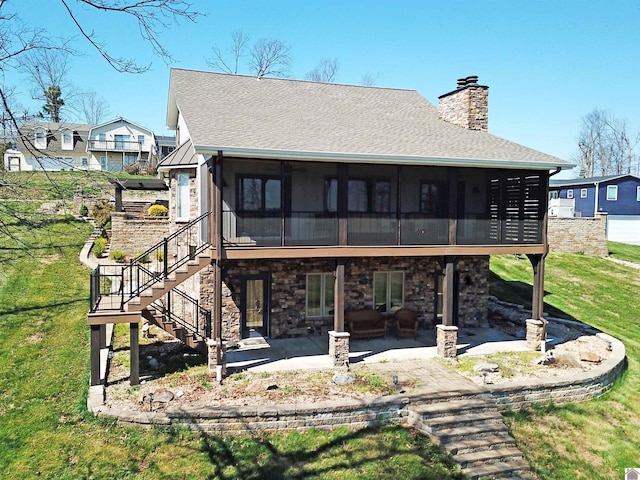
[
  {"x": 136, "y": 236},
  {"x": 578, "y": 235},
  {"x": 288, "y": 291}
]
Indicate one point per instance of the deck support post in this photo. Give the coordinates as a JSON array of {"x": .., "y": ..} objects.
[
  {"x": 95, "y": 355},
  {"x": 447, "y": 333},
  {"x": 537, "y": 325},
  {"x": 134, "y": 378},
  {"x": 338, "y": 338}
]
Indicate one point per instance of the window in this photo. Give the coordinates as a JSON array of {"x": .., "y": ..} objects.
[
  {"x": 612, "y": 192},
  {"x": 638, "y": 193},
  {"x": 583, "y": 193},
  {"x": 553, "y": 194},
  {"x": 363, "y": 195},
  {"x": 320, "y": 294},
  {"x": 433, "y": 199},
  {"x": 67, "y": 140},
  {"x": 388, "y": 291},
  {"x": 103, "y": 162},
  {"x": 121, "y": 141},
  {"x": 40, "y": 138},
  {"x": 259, "y": 194},
  {"x": 141, "y": 139},
  {"x": 182, "y": 197},
  {"x": 129, "y": 160},
  {"x": 85, "y": 161},
  {"x": 570, "y": 193},
  {"x": 102, "y": 138}
]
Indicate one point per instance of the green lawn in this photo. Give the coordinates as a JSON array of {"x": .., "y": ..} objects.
[
  {"x": 622, "y": 251},
  {"x": 596, "y": 439},
  {"x": 46, "y": 431}
]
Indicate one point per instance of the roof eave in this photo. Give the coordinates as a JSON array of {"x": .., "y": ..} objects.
[{"x": 376, "y": 158}]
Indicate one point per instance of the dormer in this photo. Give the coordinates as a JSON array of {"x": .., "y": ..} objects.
[
  {"x": 67, "y": 139},
  {"x": 40, "y": 138}
]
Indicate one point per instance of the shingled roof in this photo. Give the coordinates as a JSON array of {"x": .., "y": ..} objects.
[{"x": 292, "y": 119}]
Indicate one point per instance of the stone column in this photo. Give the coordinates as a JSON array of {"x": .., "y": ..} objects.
[
  {"x": 339, "y": 348},
  {"x": 217, "y": 359},
  {"x": 535, "y": 333},
  {"x": 446, "y": 339}
]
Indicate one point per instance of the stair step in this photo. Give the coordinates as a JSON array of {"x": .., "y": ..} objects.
[
  {"x": 447, "y": 408},
  {"x": 491, "y": 470},
  {"x": 448, "y": 435},
  {"x": 496, "y": 455},
  {"x": 464, "y": 420},
  {"x": 497, "y": 440}
]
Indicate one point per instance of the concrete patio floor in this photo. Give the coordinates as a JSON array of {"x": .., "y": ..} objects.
[{"x": 267, "y": 355}]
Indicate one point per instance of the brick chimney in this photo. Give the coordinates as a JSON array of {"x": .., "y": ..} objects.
[{"x": 467, "y": 106}]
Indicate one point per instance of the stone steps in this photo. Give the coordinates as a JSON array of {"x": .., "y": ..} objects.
[{"x": 472, "y": 430}]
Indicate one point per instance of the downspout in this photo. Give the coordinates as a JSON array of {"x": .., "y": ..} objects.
[{"x": 597, "y": 199}]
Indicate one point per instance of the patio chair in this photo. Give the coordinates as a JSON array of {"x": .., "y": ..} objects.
[{"x": 406, "y": 323}]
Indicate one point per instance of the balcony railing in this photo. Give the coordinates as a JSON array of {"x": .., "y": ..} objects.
[
  {"x": 117, "y": 145},
  {"x": 244, "y": 229}
]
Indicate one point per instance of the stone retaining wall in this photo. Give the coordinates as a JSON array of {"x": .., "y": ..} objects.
[
  {"x": 578, "y": 235},
  {"x": 575, "y": 388},
  {"x": 361, "y": 414},
  {"x": 273, "y": 418},
  {"x": 133, "y": 236}
]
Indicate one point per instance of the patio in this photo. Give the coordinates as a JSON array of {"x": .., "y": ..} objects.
[{"x": 258, "y": 354}]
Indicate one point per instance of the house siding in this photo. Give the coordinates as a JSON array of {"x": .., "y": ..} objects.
[
  {"x": 288, "y": 291},
  {"x": 626, "y": 204}
]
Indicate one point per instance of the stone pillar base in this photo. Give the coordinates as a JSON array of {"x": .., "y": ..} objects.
[
  {"x": 446, "y": 340},
  {"x": 339, "y": 348},
  {"x": 218, "y": 370},
  {"x": 535, "y": 333}
]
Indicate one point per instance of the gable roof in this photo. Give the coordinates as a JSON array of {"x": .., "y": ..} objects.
[
  {"x": 122, "y": 120},
  {"x": 588, "y": 181},
  {"x": 54, "y": 132},
  {"x": 293, "y": 119}
]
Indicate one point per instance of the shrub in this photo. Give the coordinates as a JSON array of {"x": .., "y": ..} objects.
[
  {"x": 151, "y": 170},
  {"x": 84, "y": 211},
  {"x": 99, "y": 246},
  {"x": 158, "y": 211},
  {"x": 107, "y": 226},
  {"x": 133, "y": 169},
  {"x": 118, "y": 256},
  {"x": 159, "y": 254},
  {"x": 101, "y": 212},
  {"x": 142, "y": 257}
]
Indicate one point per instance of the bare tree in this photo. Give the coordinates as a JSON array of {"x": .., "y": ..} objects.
[
  {"x": 369, "y": 79},
  {"x": 92, "y": 108},
  {"x": 270, "y": 56},
  {"x": 606, "y": 147},
  {"x": 229, "y": 60},
  {"x": 325, "y": 71}
]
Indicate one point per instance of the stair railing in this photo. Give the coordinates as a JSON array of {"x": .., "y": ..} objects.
[
  {"x": 186, "y": 311},
  {"x": 148, "y": 268}
]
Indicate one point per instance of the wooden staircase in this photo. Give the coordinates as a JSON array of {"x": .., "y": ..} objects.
[
  {"x": 472, "y": 430},
  {"x": 175, "y": 329},
  {"x": 158, "y": 290}
]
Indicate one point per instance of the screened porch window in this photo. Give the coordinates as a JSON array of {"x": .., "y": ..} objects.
[
  {"x": 320, "y": 294},
  {"x": 388, "y": 291},
  {"x": 433, "y": 199},
  {"x": 259, "y": 194},
  {"x": 363, "y": 195}
]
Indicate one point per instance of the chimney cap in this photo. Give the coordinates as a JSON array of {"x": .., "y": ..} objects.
[
  {"x": 462, "y": 82},
  {"x": 472, "y": 80}
]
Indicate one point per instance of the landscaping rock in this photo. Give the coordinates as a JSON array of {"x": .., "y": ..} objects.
[
  {"x": 547, "y": 359},
  {"x": 590, "y": 357},
  {"x": 162, "y": 396},
  {"x": 340, "y": 378}
]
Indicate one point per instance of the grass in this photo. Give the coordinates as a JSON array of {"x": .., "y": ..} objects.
[
  {"x": 39, "y": 185},
  {"x": 622, "y": 251},
  {"x": 46, "y": 431},
  {"x": 595, "y": 439}
]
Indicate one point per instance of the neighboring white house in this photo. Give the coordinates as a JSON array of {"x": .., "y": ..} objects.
[
  {"x": 50, "y": 146},
  {"x": 118, "y": 143}
]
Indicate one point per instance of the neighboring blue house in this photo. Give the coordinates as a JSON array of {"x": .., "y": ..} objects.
[{"x": 616, "y": 195}]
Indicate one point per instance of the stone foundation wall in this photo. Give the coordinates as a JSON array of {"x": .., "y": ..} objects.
[
  {"x": 288, "y": 291},
  {"x": 578, "y": 235},
  {"x": 136, "y": 236}
]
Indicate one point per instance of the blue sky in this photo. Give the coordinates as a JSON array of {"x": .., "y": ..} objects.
[{"x": 547, "y": 62}]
